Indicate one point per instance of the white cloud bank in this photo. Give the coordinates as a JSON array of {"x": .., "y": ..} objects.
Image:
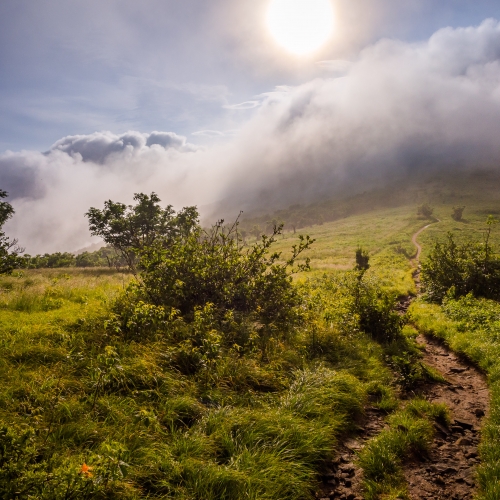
[{"x": 398, "y": 109}]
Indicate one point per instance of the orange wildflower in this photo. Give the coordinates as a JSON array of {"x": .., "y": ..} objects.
[{"x": 85, "y": 470}]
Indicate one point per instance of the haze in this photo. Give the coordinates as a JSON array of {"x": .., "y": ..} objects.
[{"x": 196, "y": 101}]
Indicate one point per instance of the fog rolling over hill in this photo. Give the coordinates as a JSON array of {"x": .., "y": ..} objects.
[{"x": 396, "y": 111}]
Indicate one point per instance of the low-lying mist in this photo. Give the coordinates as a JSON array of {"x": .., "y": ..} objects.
[{"x": 397, "y": 111}]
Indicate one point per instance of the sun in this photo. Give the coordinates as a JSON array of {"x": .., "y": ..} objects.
[{"x": 300, "y": 26}]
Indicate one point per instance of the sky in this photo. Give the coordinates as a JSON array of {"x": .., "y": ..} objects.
[{"x": 196, "y": 101}]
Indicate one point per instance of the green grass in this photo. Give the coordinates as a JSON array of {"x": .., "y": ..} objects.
[
  {"x": 409, "y": 433},
  {"x": 74, "y": 392},
  {"x": 384, "y": 233}
]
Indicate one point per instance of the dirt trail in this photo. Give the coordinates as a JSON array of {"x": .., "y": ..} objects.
[
  {"x": 448, "y": 472},
  {"x": 417, "y": 244},
  {"x": 414, "y": 240},
  {"x": 344, "y": 480}
]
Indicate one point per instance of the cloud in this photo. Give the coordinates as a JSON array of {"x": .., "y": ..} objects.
[
  {"x": 337, "y": 66},
  {"x": 97, "y": 147},
  {"x": 243, "y": 105},
  {"x": 400, "y": 110},
  {"x": 216, "y": 134},
  {"x": 51, "y": 191},
  {"x": 208, "y": 133},
  {"x": 22, "y": 174}
]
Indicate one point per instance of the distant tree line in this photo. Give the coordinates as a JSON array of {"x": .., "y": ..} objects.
[{"x": 104, "y": 257}]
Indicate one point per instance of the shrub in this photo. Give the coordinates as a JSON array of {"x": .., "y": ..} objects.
[
  {"x": 457, "y": 213},
  {"x": 425, "y": 211},
  {"x": 207, "y": 281},
  {"x": 361, "y": 304},
  {"x": 465, "y": 268},
  {"x": 375, "y": 309},
  {"x": 362, "y": 260}
]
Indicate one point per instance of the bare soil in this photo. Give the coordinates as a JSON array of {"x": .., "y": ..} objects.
[
  {"x": 449, "y": 470},
  {"x": 344, "y": 479}
]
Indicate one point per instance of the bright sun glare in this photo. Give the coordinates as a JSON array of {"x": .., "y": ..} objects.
[{"x": 300, "y": 26}]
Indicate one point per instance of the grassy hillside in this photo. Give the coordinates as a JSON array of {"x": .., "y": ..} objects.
[{"x": 89, "y": 412}]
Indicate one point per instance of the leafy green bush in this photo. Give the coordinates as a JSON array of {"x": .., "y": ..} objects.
[
  {"x": 213, "y": 268},
  {"x": 360, "y": 305},
  {"x": 362, "y": 260},
  {"x": 375, "y": 308},
  {"x": 204, "y": 289},
  {"x": 462, "y": 268},
  {"x": 9, "y": 250}
]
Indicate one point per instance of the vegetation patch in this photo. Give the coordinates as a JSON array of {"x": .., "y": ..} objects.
[
  {"x": 472, "y": 327},
  {"x": 213, "y": 369},
  {"x": 89, "y": 412},
  {"x": 409, "y": 434}
]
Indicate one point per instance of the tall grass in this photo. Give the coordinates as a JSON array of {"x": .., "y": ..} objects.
[{"x": 76, "y": 394}]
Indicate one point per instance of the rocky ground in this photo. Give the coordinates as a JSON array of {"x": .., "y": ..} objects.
[{"x": 343, "y": 481}]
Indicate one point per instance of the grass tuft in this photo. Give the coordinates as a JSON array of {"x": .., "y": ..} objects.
[{"x": 409, "y": 433}]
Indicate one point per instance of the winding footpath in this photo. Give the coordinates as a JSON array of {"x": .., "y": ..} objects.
[
  {"x": 448, "y": 471},
  {"x": 414, "y": 239}
]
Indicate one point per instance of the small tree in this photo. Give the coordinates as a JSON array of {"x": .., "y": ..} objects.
[
  {"x": 129, "y": 229},
  {"x": 457, "y": 213},
  {"x": 9, "y": 249},
  {"x": 256, "y": 231},
  {"x": 425, "y": 210},
  {"x": 362, "y": 259}
]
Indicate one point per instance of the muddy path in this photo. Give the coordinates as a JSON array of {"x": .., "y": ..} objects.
[
  {"x": 344, "y": 479},
  {"x": 448, "y": 471}
]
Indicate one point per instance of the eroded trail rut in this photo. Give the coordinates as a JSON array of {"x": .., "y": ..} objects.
[{"x": 448, "y": 472}]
